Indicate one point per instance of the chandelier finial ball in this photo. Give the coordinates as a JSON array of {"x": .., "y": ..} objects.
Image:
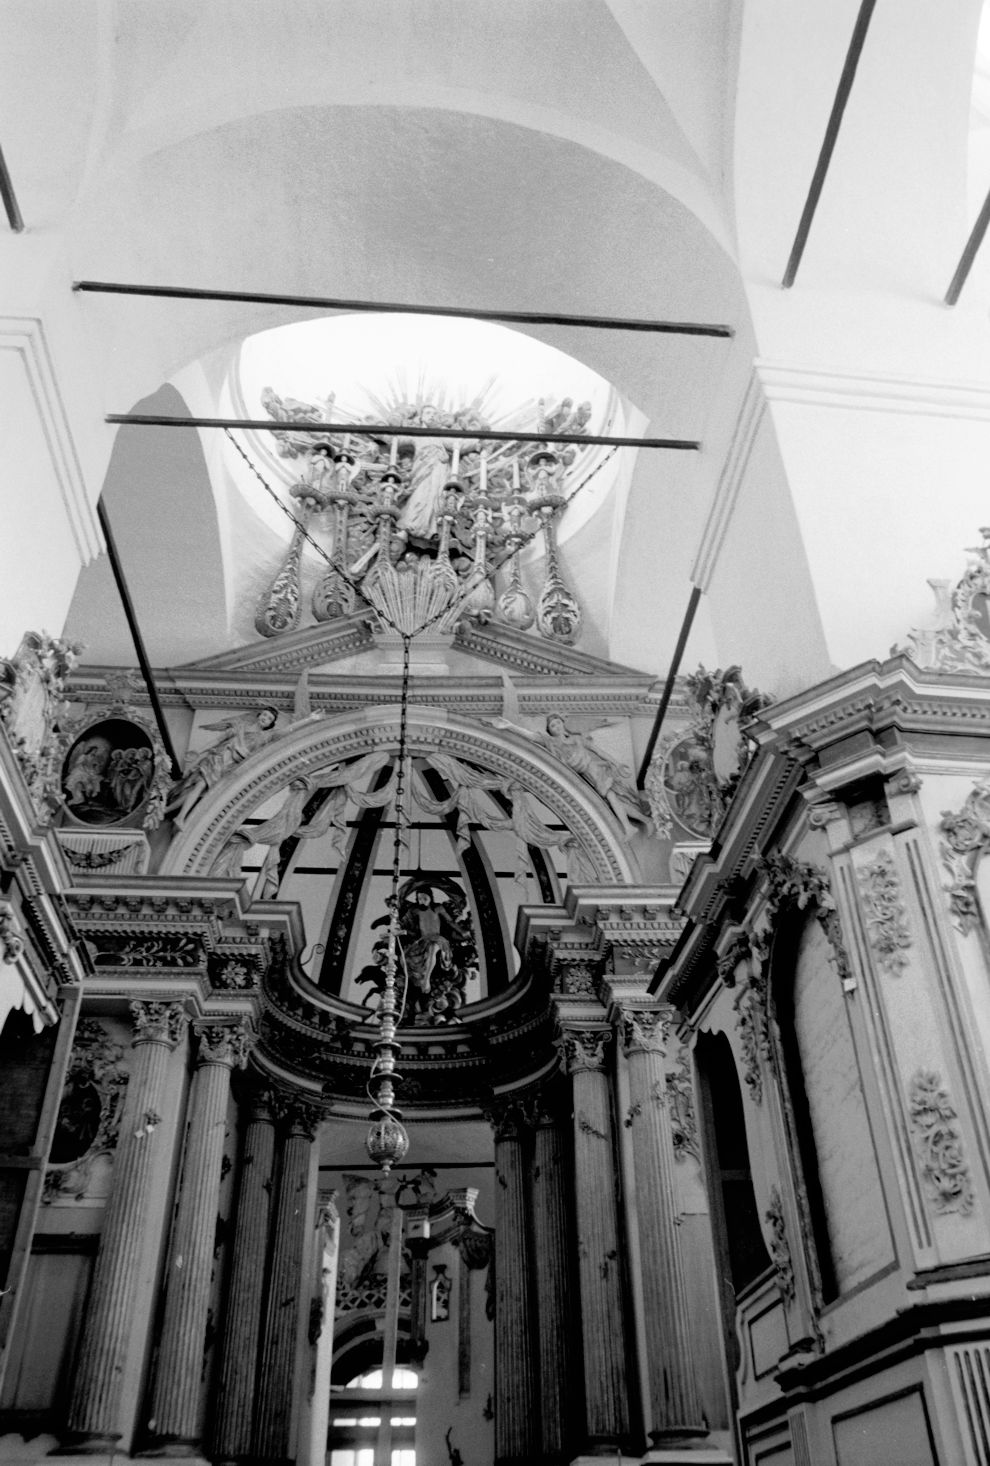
[{"x": 387, "y": 1142}]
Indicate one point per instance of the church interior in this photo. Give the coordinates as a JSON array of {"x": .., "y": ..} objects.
[{"x": 494, "y": 745}]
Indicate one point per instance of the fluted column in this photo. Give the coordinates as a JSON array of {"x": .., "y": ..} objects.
[
  {"x": 290, "y": 1225},
  {"x": 599, "y": 1273},
  {"x": 550, "y": 1253},
  {"x": 94, "y": 1412},
  {"x": 675, "y": 1403},
  {"x": 517, "y": 1431},
  {"x": 232, "y": 1424},
  {"x": 174, "y": 1414}
]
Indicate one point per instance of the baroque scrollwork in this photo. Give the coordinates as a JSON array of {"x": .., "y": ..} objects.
[
  {"x": 33, "y": 711},
  {"x": 939, "y": 1144},
  {"x": 957, "y": 640},
  {"x": 694, "y": 773},
  {"x": 89, "y": 1114},
  {"x": 886, "y": 919},
  {"x": 780, "y": 1250},
  {"x": 967, "y": 836},
  {"x": 419, "y": 526}
]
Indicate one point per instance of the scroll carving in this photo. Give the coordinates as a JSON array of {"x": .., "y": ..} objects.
[
  {"x": 967, "y": 836},
  {"x": 780, "y": 1250}
]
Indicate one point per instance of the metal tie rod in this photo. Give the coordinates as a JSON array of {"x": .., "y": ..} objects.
[
  {"x": 321, "y": 302},
  {"x": 390, "y": 430}
]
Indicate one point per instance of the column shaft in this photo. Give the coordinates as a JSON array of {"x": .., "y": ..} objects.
[
  {"x": 178, "y": 1377},
  {"x": 600, "y": 1280},
  {"x": 517, "y": 1429},
  {"x": 675, "y": 1404},
  {"x": 549, "y": 1210},
  {"x": 290, "y": 1225},
  {"x": 94, "y": 1411},
  {"x": 246, "y": 1288}
]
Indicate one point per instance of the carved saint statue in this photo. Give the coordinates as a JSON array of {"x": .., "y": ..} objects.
[{"x": 612, "y": 780}]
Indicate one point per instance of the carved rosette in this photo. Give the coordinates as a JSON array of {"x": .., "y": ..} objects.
[
  {"x": 224, "y": 1043},
  {"x": 938, "y": 1144},
  {"x": 780, "y": 1250},
  {"x": 886, "y": 921},
  {"x": 583, "y": 1049},
  {"x": 967, "y": 835},
  {"x": 159, "y": 1023},
  {"x": 575, "y": 978}
]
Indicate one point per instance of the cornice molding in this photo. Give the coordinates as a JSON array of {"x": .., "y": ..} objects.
[{"x": 822, "y": 386}]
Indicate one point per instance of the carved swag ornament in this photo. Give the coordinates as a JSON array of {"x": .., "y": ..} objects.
[{"x": 938, "y": 1144}]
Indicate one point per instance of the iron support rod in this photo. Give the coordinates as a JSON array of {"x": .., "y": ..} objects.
[
  {"x": 828, "y": 143},
  {"x": 969, "y": 253},
  {"x": 668, "y": 688},
  {"x": 136, "y": 637},
  {"x": 388, "y": 430},
  {"x": 391, "y": 307},
  {"x": 14, "y": 217}
]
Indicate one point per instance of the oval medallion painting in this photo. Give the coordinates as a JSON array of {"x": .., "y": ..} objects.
[{"x": 108, "y": 771}]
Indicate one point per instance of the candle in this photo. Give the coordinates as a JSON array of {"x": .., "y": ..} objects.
[
  {"x": 515, "y": 475},
  {"x": 484, "y": 472},
  {"x": 455, "y": 465},
  {"x": 393, "y": 450}
]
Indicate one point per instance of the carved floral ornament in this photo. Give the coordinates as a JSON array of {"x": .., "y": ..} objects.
[
  {"x": 780, "y": 1250},
  {"x": 645, "y": 1030},
  {"x": 886, "y": 919},
  {"x": 967, "y": 837},
  {"x": 938, "y": 1144}
]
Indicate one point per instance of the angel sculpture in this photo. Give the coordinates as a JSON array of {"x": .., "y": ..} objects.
[
  {"x": 290, "y": 410},
  {"x": 611, "y": 780},
  {"x": 241, "y": 737}
]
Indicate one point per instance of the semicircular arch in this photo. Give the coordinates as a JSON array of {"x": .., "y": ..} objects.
[{"x": 315, "y": 746}]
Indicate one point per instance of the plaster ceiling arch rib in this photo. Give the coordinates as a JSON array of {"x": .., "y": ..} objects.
[
  {"x": 314, "y": 746},
  {"x": 427, "y": 207}
]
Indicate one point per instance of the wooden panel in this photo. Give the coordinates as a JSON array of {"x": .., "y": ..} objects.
[{"x": 895, "y": 1431}]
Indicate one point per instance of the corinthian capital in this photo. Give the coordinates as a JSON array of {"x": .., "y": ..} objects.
[
  {"x": 298, "y": 1116},
  {"x": 159, "y": 1023},
  {"x": 644, "y": 1030},
  {"x": 224, "y": 1043},
  {"x": 583, "y": 1049}
]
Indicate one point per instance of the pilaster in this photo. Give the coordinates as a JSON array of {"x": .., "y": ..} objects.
[
  {"x": 175, "y": 1409},
  {"x": 517, "y": 1425},
  {"x": 94, "y": 1412},
  {"x": 299, "y": 1121},
  {"x": 232, "y": 1425}
]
